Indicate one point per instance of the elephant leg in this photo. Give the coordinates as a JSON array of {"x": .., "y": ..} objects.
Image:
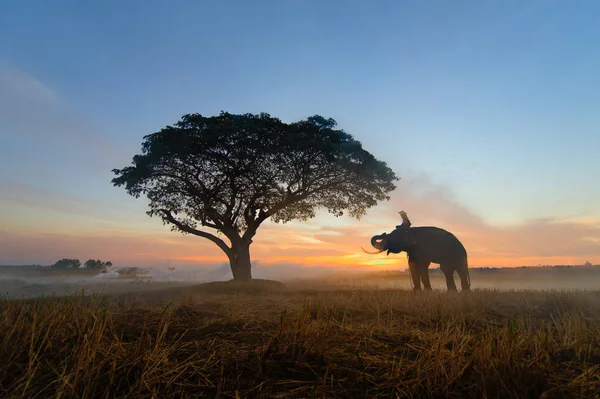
[
  {"x": 424, "y": 270},
  {"x": 449, "y": 273},
  {"x": 415, "y": 275},
  {"x": 463, "y": 272}
]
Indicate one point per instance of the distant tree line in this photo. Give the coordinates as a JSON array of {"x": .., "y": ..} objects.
[
  {"x": 96, "y": 264},
  {"x": 587, "y": 267},
  {"x": 67, "y": 263}
]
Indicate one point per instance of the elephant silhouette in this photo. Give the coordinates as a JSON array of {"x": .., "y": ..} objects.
[{"x": 425, "y": 245}]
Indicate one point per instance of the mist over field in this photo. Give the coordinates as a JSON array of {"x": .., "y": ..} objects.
[
  {"x": 19, "y": 282},
  {"x": 338, "y": 335}
]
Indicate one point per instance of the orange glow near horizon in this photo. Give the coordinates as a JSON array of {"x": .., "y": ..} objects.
[
  {"x": 324, "y": 241},
  {"x": 188, "y": 250}
]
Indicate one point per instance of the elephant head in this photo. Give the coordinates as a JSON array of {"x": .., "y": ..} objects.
[
  {"x": 378, "y": 242},
  {"x": 401, "y": 239}
]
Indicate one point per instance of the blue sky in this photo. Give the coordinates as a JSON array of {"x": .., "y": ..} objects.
[{"x": 494, "y": 102}]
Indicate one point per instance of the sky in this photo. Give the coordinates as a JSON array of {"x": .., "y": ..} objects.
[{"x": 486, "y": 110}]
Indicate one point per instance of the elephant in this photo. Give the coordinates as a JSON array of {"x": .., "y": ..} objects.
[{"x": 425, "y": 245}]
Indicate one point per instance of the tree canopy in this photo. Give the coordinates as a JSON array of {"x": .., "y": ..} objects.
[
  {"x": 230, "y": 173},
  {"x": 66, "y": 263},
  {"x": 96, "y": 264}
]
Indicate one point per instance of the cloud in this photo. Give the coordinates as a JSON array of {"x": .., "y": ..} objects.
[
  {"x": 54, "y": 164},
  {"x": 45, "y": 143},
  {"x": 22, "y": 195},
  {"x": 532, "y": 241},
  {"x": 31, "y": 110},
  {"x": 325, "y": 242},
  {"x": 43, "y": 135},
  {"x": 24, "y": 88},
  {"x": 124, "y": 249}
]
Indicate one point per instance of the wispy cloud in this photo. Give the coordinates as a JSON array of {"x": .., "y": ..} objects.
[
  {"x": 44, "y": 135},
  {"x": 23, "y": 87},
  {"x": 320, "y": 242},
  {"x": 54, "y": 203},
  {"x": 530, "y": 242},
  {"x": 31, "y": 110}
]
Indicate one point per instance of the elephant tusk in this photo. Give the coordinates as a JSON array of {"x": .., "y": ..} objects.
[{"x": 371, "y": 253}]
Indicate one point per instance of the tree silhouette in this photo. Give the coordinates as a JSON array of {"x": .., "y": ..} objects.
[
  {"x": 230, "y": 173},
  {"x": 66, "y": 263},
  {"x": 96, "y": 264}
]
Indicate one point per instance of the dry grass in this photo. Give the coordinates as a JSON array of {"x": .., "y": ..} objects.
[{"x": 277, "y": 343}]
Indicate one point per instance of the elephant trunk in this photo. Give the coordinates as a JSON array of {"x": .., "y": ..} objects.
[{"x": 378, "y": 242}]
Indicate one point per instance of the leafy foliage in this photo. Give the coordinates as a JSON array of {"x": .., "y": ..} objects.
[
  {"x": 66, "y": 263},
  {"x": 239, "y": 169},
  {"x": 96, "y": 264},
  {"x": 232, "y": 172}
]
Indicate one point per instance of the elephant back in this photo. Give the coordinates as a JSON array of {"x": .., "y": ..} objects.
[{"x": 439, "y": 243}]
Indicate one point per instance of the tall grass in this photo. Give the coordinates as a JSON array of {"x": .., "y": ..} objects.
[{"x": 334, "y": 344}]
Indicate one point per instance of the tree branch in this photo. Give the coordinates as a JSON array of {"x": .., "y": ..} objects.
[
  {"x": 264, "y": 215},
  {"x": 183, "y": 227}
]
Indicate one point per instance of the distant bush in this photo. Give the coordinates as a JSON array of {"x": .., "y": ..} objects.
[
  {"x": 96, "y": 264},
  {"x": 67, "y": 263}
]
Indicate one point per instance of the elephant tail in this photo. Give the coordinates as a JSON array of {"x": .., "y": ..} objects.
[{"x": 468, "y": 275}]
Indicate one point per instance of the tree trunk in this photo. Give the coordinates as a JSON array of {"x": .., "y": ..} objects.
[{"x": 239, "y": 260}]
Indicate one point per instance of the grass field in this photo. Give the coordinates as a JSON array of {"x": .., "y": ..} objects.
[{"x": 266, "y": 340}]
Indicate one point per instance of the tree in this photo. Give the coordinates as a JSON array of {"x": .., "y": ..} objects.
[
  {"x": 66, "y": 263},
  {"x": 229, "y": 173},
  {"x": 96, "y": 264}
]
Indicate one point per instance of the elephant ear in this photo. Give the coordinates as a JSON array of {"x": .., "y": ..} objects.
[
  {"x": 393, "y": 244},
  {"x": 411, "y": 239}
]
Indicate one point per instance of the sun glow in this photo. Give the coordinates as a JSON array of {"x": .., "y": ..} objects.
[{"x": 142, "y": 240}]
